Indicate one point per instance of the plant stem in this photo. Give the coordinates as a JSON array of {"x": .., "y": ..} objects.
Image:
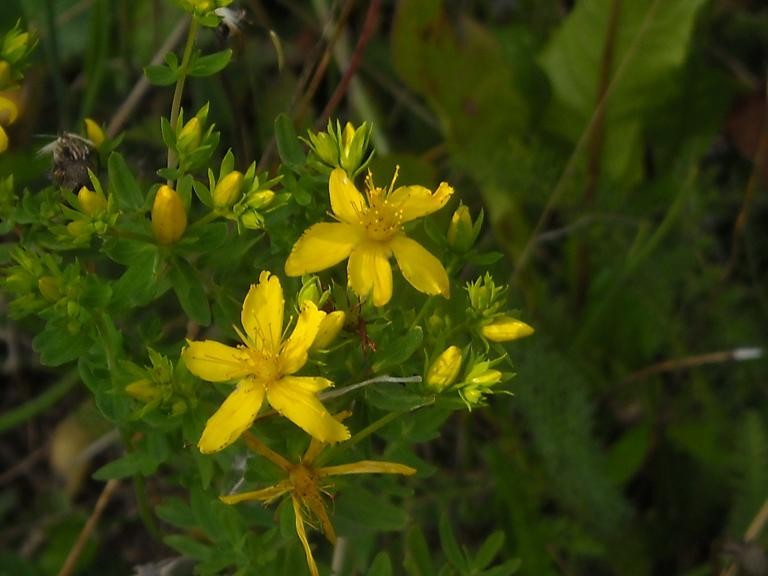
[
  {"x": 179, "y": 90},
  {"x": 40, "y": 403}
]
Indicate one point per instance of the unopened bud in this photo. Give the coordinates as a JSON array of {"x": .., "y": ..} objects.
[
  {"x": 143, "y": 390},
  {"x": 15, "y": 45},
  {"x": 79, "y": 228},
  {"x": 354, "y": 144},
  {"x": 310, "y": 290},
  {"x": 3, "y": 140},
  {"x": 9, "y": 110},
  {"x": 91, "y": 202},
  {"x": 5, "y": 73},
  {"x": 325, "y": 147},
  {"x": 228, "y": 190},
  {"x": 49, "y": 288},
  {"x": 94, "y": 133},
  {"x": 189, "y": 136},
  {"x": 461, "y": 233},
  {"x": 260, "y": 199},
  {"x": 169, "y": 217},
  {"x": 329, "y": 329},
  {"x": 444, "y": 370},
  {"x": 486, "y": 378},
  {"x": 504, "y": 329}
]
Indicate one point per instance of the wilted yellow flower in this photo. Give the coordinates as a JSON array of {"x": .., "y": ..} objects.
[
  {"x": 444, "y": 370},
  {"x": 306, "y": 485},
  {"x": 94, "y": 133},
  {"x": 505, "y": 328},
  {"x": 264, "y": 365},
  {"x": 169, "y": 217},
  {"x": 369, "y": 233},
  {"x": 228, "y": 190}
]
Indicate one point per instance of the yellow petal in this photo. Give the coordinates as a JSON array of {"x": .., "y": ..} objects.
[
  {"x": 422, "y": 270},
  {"x": 303, "y": 536},
  {"x": 215, "y": 362},
  {"x": 294, "y": 398},
  {"x": 369, "y": 271},
  {"x": 294, "y": 353},
  {"x": 417, "y": 201},
  {"x": 346, "y": 201},
  {"x": 3, "y": 140},
  {"x": 264, "y": 495},
  {"x": 366, "y": 467},
  {"x": 232, "y": 418},
  {"x": 329, "y": 329},
  {"x": 321, "y": 246},
  {"x": 262, "y": 314}
]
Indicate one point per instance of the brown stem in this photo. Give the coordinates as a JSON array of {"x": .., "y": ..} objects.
[
  {"x": 90, "y": 524},
  {"x": 369, "y": 26},
  {"x": 738, "y": 354},
  {"x": 595, "y": 150},
  {"x": 761, "y": 152}
]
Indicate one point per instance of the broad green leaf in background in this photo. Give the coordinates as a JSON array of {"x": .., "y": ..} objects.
[{"x": 651, "y": 44}]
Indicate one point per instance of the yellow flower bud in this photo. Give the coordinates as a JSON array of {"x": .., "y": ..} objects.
[
  {"x": 486, "y": 378},
  {"x": 9, "y": 110},
  {"x": 260, "y": 199},
  {"x": 444, "y": 369},
  {"x": 329, "y": 329},
  {"x": 5, "y": 73},
  {"x": 49, "y": 288},
  {"x": 94, "y": 133},
  {"x": 78, "y": 228},
  {"x": 91, "y": 203},
  {"x": 228, "y": 190},
  {"x": 325, "y": 147},
  {"x": 504, "y": 329},
  {"x": 3, "y": 140},
  {"x": 169, "y": 217},
  {"x": 143, "y": 390},
  {"x": 461, "y": 233},
  {"x": 190, "y": 135}
]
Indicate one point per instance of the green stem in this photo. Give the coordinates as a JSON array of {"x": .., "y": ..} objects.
[
  {"x": 140, "y": 490},
  {"x": 179, "y": 90},
  {"x": 40, "y": 403}
]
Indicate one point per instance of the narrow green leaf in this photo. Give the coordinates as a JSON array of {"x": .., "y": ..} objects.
[
  {"x": 288, "y": 145},
  {"x": 123, "y": 185},
  {"x": 190, "y": 292},
  {"x": 210, "y": 63},
  {"x": 418, "y": 561},
  {"x": 160, "y": 75},
  {"x": 450, "y": 546},
  {"x": 381, "y": 565},
  {"x": 125, "y": 466},
  {"x": 488, "y": 551}
]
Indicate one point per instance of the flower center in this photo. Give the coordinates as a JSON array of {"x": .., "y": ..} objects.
[
  {"x": 265, "y": 365},
  {"x": 382, "y": 219}
]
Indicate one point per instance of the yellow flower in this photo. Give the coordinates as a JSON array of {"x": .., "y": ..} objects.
[
  {"x": 369, "y": 233},
  {"x": 264, "y": 366},
  {"x": 505, "y": 328},
  {"x": 306, "y": 484}
]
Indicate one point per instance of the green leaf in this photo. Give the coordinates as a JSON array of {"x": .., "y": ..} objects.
[
  {"x": 381, "y": 565},
  {"x": 190, "y": 292},
  {"x": 189, "y": 546},
  {"x": 450, "y": 547},
  {"x": 650, "y": 46},
  {"x": 57, "y": 344},
  {"x": 176, "y": 512},
  {"x": 399, "y": 350},
  {"x": 418, "y": 561},
  {"x": 488, "y": 551},
  {"x": 288, "y": 145},
  {"x": 139, "y": 283},
  {"x": 628, "y": 453},
  {"x": 125, "y": 466},
  {"x": 161, "y": 75},
  {"x": 167, "y": 132},
  {"x": 358, "y": 509},
  {"x": 210, "y": 63},
  {"x": 123, "y": 185}
]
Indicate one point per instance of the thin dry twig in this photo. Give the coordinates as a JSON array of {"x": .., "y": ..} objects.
[
  {"x": 753, "y": 531},
  {"x": 142, "y": 85},
  {"x": 74, "y": 554},
  {"x": 735, "y": 355}
]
